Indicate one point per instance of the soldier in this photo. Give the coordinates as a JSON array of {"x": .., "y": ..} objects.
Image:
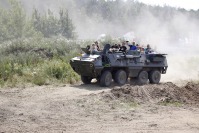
[
  {"x": 116, "y": 47},
  {"x": 123, "y": 47},
  {"x": 138, "y": 48},
  {"x": 88, "y": 48},
  {"x": 133, "y": 47},
  {"x": 97, "y": 45},
  {"x": 93, "y": 48},
  {"x": 148, "y": 49},
  {"x": 127, "y": 46}
]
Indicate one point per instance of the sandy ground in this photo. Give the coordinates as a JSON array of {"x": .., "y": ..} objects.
[{"x": 83, "y": 109}]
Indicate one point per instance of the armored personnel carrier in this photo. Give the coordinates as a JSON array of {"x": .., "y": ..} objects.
[{"x": 107, "y": 66}]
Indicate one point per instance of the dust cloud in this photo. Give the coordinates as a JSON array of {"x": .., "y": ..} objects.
[
  {"x": 178, "y": 37},
  {"x": 181, "y": 45}
]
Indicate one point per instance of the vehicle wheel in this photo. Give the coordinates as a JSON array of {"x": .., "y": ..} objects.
[
  {"x": 142, "y": 77},
  {"x": 120, "y": 77},
  {"x": 106, "y": 79},
  {"x": 86, "y": 79},
  {"x": 154, "y": 77}
]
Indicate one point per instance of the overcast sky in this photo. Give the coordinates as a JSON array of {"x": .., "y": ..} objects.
[{"x": 187, "y": 4}]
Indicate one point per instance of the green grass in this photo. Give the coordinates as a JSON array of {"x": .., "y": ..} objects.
[
  {"x": 47, "y": 72},
  {"x": 38, "y": 61}
]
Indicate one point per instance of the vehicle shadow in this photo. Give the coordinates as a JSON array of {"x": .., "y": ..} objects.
[{"x": 95, "y": 86}]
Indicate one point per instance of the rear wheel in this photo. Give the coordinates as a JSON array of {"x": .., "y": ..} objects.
[
  {"x": 86, "y": 79},
  {"x": 154, "y": 77},
  {"x": 106, "y": 79},
  {"x": 142, "y": 77},
  {"x": 120, "y": 77}
]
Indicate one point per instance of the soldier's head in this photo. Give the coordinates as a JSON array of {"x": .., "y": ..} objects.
[
  {"x": 93, "y": 45},
  {"x": 88, "y": 47},
  {"x": 96, "y": 42}
]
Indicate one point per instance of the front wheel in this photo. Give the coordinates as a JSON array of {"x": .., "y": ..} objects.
[
  {"x": 86, "y": 79},
  {"x": 106, "y": 79},
  {"x": 154, "y": 77}
]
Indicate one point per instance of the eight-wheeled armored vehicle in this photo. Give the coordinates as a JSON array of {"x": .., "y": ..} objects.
[{"x": 106, "y": 66}]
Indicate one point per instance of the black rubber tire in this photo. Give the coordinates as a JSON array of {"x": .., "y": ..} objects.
[
  {"x": 106, "y": 79},
  {"x": 86, "y": 79},
  {"x": 120, "y": 77},
  {"x": 154, "y": 77},
  {"x": 142, "y": 78}
]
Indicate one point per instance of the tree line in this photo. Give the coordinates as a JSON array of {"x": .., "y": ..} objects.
[
  {"x": 15, "y": 23},
  {"x": 119, "y": 9}
]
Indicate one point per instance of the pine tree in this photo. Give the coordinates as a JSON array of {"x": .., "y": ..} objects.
[
  {"x": 13, "y": 22},
  {"x": 66, "y": 26}
]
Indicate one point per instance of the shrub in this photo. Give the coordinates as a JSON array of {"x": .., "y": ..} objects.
[
  {"x": 39, "y": 80},
  {"x": 8, "y": 69},
  {"x": 61, "y": 70}
]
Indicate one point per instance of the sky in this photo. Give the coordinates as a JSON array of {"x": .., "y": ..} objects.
[{"x": 187, "y": 4}]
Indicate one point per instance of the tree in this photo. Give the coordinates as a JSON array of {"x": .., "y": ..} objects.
[
  {"x": 50, "y": 25},
  {"x": 13, "y": 23},
  {"x": 66, "y": 26}
]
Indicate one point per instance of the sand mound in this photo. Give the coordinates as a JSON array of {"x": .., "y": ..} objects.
[{"x": 166, "y": 92}]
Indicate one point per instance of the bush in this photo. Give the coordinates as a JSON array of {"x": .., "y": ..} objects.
[
  {"x": 39, "y": 80},
  {"x": 61, "y": 70},
  {"x": 38, "y": 61},
  {"x": 8, "y": 69}
]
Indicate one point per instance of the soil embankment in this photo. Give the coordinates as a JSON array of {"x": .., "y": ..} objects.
[{"x": 165, "y": 92}]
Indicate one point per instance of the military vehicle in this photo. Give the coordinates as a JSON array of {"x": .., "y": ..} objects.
[{"x": 107, "y": 66}]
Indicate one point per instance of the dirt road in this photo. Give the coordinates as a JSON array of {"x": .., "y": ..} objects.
[{"x": 89, "y": 109}]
